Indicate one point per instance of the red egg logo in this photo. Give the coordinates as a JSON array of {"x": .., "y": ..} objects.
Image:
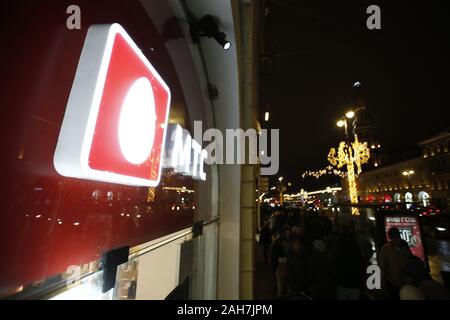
[{"x": 115, "y": 123}]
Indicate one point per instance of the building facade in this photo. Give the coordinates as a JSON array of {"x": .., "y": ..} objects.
[
  {"x": 423, "y": 179},
  {"x": 407, "y": 181},
  {"x": 437, "y": 157}
]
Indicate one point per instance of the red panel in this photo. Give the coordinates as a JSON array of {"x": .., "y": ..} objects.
[{"x": 125, "y": 67}]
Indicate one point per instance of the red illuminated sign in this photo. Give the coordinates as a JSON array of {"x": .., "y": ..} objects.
[
  {"x": 409, "y": 231},
  {"x": 115, "y": 123}
]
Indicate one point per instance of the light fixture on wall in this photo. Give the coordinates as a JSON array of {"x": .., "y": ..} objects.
[{"x": 207, "y": 27}]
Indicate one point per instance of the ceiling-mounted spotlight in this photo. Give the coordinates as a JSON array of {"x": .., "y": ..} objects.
[{"x": 207, "y": 27}]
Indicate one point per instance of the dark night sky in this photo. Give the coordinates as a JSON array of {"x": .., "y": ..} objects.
[{"x": 403, "y": 68}]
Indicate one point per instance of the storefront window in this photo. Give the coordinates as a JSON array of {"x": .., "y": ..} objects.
[{"x": 56, "y": 228}]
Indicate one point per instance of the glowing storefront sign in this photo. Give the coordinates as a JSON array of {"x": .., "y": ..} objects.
[
  {"x": 183, "y": 154},
  {"x": 115, "y": 124}
]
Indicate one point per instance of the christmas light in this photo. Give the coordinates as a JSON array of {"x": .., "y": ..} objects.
[
  {"x": 350, "y": 156},
  {"x": 326, "y": 171}
]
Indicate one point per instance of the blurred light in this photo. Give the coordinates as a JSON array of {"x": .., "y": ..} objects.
[
  {"x": 76, "y": 223},
  {"x": 340, "y": 123},
  {"x": 372, "y": 218},
  {"x": 411, "y": 172},
  {"x": 227, "y": 45},
  {"x": 280, "y": 179},
  {"x": 441, "y": 229},
  {"x": 405, "y": 173},
  {"x": 350, "y": 114},
  {"x": 59, "y": 222},
  {"x": 122, "y": 214},
  {"x": 38, "y": 216},
  {"x": 373, "y": 146},
  {"x": 289, "y": 184},
  {"x": 88, "y": 289},
  {"x": 137, "y": 121},
  {"x": 262, "y": 152},
  {"x": 357, "y": 84},
  {"x": 376, "y": 164},
  {"x": 266, "y": 116}
]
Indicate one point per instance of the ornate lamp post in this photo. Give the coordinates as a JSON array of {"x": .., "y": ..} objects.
[{"x": 350, "y": 154}]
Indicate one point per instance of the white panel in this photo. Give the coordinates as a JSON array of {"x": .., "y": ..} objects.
[{"x": 158, "y": 272}]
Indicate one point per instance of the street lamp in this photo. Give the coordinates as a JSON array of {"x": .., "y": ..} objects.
[
  {"x": 281, "y": 189},
  {"x": 408, "y": 173},
  {"x": 340, "y": 123},
  {"x": 350, "y": 154},
  {"x": 343, "y": 123},
  {"x": 350, "y": 114}
]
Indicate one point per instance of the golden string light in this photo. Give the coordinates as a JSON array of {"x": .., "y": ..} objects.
[{"x": 326, "y": 171}]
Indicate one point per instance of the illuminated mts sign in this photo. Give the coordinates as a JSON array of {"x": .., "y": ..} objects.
[{"x": 114, "y": 127}]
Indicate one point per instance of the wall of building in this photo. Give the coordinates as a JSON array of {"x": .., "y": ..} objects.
[
  {"x": 437, "y": 157},
  {"x": 375, "y": 185}
]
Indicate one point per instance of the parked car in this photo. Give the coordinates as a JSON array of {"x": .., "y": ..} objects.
[{"x": 426, "y": 211}]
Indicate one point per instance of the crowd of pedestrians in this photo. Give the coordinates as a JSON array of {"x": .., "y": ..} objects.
[
  {"x": 310, "y": 255},
  {"x": 315, "y": 257}
]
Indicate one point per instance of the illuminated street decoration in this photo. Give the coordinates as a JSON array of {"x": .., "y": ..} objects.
[
  {"x": 352, "y": 155},
  {"x": 326, "y": 171}
]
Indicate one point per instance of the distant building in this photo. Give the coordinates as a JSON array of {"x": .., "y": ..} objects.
[
  {"x": 437, "y": 157},
  {"x": 424, "y": 178},
  {"x": 406, "y": 181}
]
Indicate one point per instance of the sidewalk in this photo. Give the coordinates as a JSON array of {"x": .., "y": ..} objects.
[{"x": 265, "y": 286}]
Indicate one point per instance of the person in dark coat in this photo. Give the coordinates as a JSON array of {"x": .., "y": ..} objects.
[
  {"x": 348, "y": 267},
  {"x": 297, "y": 268},
  {"x": 320, "y": 273},
  {"x": 265, "y": 239}
]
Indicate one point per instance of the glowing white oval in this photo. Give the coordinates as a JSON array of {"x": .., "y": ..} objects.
[{"x": 137, "y": 122}]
